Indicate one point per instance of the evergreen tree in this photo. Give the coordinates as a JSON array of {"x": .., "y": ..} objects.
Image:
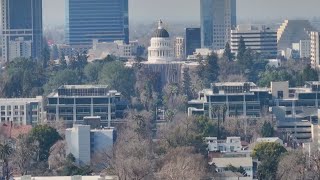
[
  {"x": 267, "y": 130},
  {"x": 45, "y": 54},
  {"x": 241, "y": 49},
  {"x": 62, "y": 61},
  {"x": 186, "y": 83},
  {"x": 227, "y": 52}
]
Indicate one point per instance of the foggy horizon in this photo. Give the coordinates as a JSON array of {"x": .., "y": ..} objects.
[{"x": 189, "y": 10}]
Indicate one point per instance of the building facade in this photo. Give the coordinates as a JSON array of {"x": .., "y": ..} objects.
[
  {"x": 231, "y": 144},
  {"x": 105, "y": 20},
  {"x": 179, "y": 48},
  {"x": 239, "y": 99},
  {"x": 217, "y": 19},
  {"x": 260, "y": 39},
  {"x": 292, "y": 31},
  {"x": 20, "y": 48},
  {"x": 305, "y": 48},
  {"x": 315, "y": 49},
  {"x": 192, "y": 40},
  {"x": 21, "y": 19},
  {"x": 22, "y": 111},
  {"x": 120, "y": 49},
  {"x": 83, "y": 142},
  {"x": 72, "y": 103}
]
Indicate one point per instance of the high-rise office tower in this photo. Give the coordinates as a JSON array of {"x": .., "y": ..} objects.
[
  {"x": 218, "y": 17},
  {"x": 102, "y": 20},
  {"x": 21, "y": 19},
  {"x": 192, "y": 40}
]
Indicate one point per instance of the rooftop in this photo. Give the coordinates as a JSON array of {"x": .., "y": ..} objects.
[
  {"x": 236, "y": 162},
  {"x": 82, "y": 86}
]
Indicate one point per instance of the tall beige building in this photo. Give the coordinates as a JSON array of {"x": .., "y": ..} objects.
[
  {"x": 179, "y": 48},
  {"x": 292, "y": 31},
  {"x": 314, "y": 49}
]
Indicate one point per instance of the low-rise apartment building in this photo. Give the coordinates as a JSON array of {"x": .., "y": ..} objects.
[{"x": 22, "y": 111}]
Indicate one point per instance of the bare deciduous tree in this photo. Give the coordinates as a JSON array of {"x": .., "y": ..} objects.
[
  {"x": 132, "y": 156},
  {"x": 292, "y": 165},
  {"x": 182, "y": 163},
  {"x": 57, "y": 155},
  {"x": 25, "y": 154}
]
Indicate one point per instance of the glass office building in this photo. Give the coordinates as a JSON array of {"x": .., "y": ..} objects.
[
  {"x": 21, "y": 19},
  {"x": 218, "y": 17},
  {"x": 192, "y": 40},
  {"x": 102, "y": 20}
]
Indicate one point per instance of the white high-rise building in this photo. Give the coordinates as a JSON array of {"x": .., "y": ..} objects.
[
  {"x": 315, "y": 49},
  {"x": 83, "y": 142},
  {"x": 20, "y": 48},
  {"x": 179, "y": 48},
  {"x": 258, "y": 38},
  {"x": 218, "y": 17}
]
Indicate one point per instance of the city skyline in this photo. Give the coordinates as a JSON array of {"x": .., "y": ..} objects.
[{"x": 271, "y": 9}]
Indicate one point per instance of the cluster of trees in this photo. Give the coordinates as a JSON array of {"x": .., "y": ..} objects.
[
  {"x": 178, "y": 152},
  {"x": 42, "y": 151}
]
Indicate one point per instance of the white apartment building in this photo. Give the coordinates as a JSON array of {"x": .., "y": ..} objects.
[
  {"x": 84, "y": 142},
  {"x": 22, "y": 111},
  {"x": 305, "y": 48},
  {"x": 315, "y": 49},
  {"x": 19, "y": 48},
  {"x": 179, "y": 48},
  {"x": 258, "y": 38},
  {"x": 231, "y": 144}
]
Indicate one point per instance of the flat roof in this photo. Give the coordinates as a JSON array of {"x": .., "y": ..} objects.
[
  {"x": 234, "y": 84},
  {"x": 82, "y": 86},
  {"x": 236, "y": 162}
]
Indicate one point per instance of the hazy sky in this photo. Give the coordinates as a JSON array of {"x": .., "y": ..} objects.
[{"x": 188, "y": 10}]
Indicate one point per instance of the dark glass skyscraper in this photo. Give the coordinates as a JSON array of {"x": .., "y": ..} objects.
[
  {"x": 193, "y": 40},
  {"x": 104, "y": 20},
  {"x": 218, "y": 17},
  {"x": 21, "y": 19}
]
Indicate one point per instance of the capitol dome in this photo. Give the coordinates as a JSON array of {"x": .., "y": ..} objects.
[
  {"x": 160, "y": 49},
  {"x": 161, "y": 33}
]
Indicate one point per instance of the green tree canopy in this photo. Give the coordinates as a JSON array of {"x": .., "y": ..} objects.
[
  {"x": 267, "y": 130},
  {"x": 62, "y": 77},
  {"x": 118, "y": 77},
  {"x": 268, "y": 154},
  {"x": 22, "y": 77},
  {"x": 227, "y": 52},
  {"x": 46, "y": 136}
]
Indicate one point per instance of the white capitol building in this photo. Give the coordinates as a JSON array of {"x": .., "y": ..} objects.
[
  {"x": 161, "y": 49},
  {"x": 161, "y": 60}
]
